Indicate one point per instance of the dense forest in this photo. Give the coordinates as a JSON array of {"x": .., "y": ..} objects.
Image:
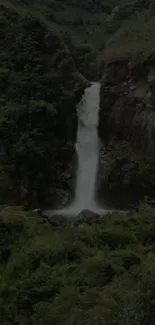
[
  {"x": 71, "y": 272},
  {"x": 95, "y": 270}
]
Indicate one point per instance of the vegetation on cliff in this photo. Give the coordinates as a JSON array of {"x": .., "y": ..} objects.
[
  {"x": 129, "y": 31},
  {"x": 40, "y": 87},
  {"x": 46, "y": 49},
  {"x": 128, "y": 101}
]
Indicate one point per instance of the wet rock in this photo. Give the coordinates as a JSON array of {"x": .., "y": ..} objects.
[
  {"x": 151, "y": 203},
  {"x": 38, "y": 211},
  {"x": 61, "y": 192},
  {"x": 69, "y": 176},
  {"x": 126, "y": 125},
  {"x": 104, "y": 162},
  {"x": 151, "y": 75},
  {"x": 44, "y": 218},
  {"x": 88, "y": 217},
  {"x": 152, "y": 83},
  {"x": 58, "y": 197},
  {"x": 140, "y": 91},
  {"x": 58, "y": 221},
  {"x": 132, "y": 65}
]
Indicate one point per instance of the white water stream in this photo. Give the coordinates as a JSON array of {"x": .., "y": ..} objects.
[{"x": 87, "y": 148}]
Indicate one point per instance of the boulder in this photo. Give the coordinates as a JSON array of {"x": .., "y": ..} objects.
[
  {"x": 38, "y": 211},
  {"x": 87, "y": 216},
  {"x": 57, "y": 220},
  {"x": 151, "y": 203}
]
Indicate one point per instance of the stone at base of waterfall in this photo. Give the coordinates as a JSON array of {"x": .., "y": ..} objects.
[
  {"x": 58, "y": 220},
  {"x": 87, "y": 216},
  {"x": 38, "y": 211},
  {"x": 151, "y": 203}
]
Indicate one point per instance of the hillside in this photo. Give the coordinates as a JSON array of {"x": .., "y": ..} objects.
[
  {"x": 65, "y": 273},
  {"x": 127, "y": 106},
  {"x": 133, "y": 38},
  {"x": 40, "y": 85}
]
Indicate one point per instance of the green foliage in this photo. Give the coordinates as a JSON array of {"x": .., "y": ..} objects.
[
  {"x": 86, "y": 60},
  {"x": 118, "y": 29},
  {"x": 40, "y": 87},
  {"x": 131, "y": 38},
  {"x": 98, "y": 274},
  {"x": 54, "y": 275}
]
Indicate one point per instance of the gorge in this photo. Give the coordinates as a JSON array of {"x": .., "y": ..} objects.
[
  {"x": 42, "y": 83},
  {"x": 72, "y": 148}
]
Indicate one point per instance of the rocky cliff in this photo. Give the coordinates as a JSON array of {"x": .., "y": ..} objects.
[{"x": 127, "y": 129}]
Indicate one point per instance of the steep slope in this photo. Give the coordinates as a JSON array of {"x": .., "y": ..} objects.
[
  {"x": 47, "y": 46},
  {"x": 39, "y": 87},
  {"x": 127, "y": 107}
]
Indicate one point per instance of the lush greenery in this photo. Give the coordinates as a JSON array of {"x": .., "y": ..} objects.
[
  {"x": 101, "y": 273},
  {"x": 130, "y": 28},
  {"x": 40, "y": 87},
  {"x": 134, "y": 38},
  {"x": 112, "y": 27}
]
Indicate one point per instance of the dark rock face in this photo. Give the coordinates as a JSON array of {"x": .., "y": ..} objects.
[
  {"x": 57, "y": 221},
  {"x": 61, "y": 193},
  {"x": 151, "y": 203},
  {"x": 126, "y": 127},
  {"x": 127, "y": 105},
  {"x": 87, "y": 216},
  {"x": 58, "y": 197}
]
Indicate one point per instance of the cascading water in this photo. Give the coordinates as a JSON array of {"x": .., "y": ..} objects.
[{"x": 87, "y": 148}]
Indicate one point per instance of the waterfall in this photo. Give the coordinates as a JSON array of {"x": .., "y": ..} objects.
[{"x": 87, "y": 148}]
